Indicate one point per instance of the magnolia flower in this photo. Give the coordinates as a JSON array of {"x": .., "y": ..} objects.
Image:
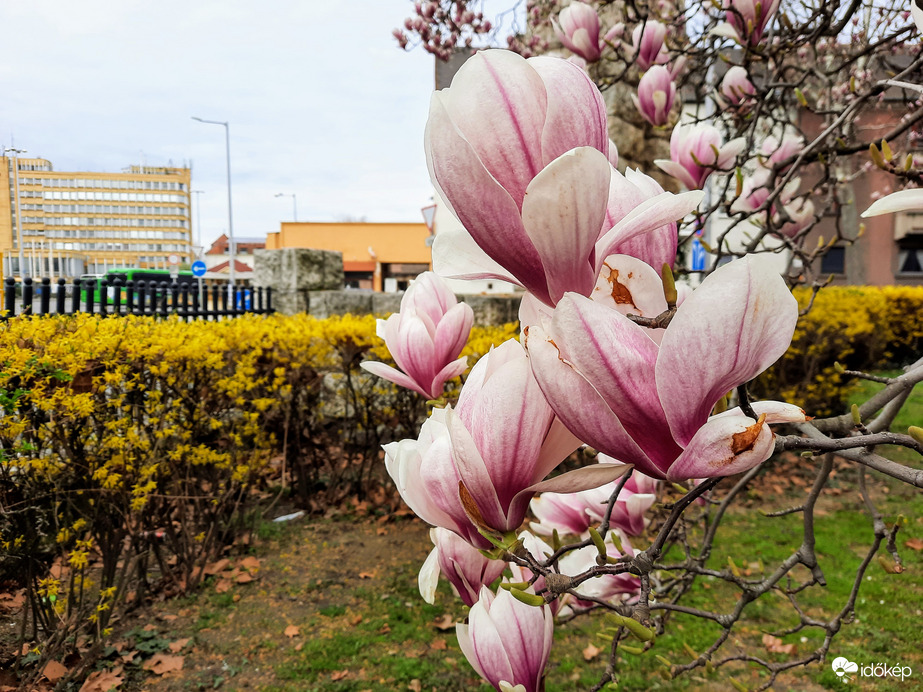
[
  {"x": 656, "y": 92},
  {"x": 425, "y": 337},
  {"x": 746, "y": 20},
  {"x": 574, "y": 513},
  {"x": 465, "y": 567},
  {"x": 696, "y": 151},
  {"x": 736, "y": 85},
  {"x": 647, "y": 44},
  {"x": 578, "y": 31},
  {"x": 648, "y": 404},
  {"x": 507, "y": 642},
  {"x": 620, "y": 587},
  {"x": 801, "y": 215},
  {"x": 917, "y": 13},
  {"x": 508, "y": 127},
  {"x": 773, "y": 151},
  {"x": 478, "y": 465},
  {"x": 902, "y": 200}
]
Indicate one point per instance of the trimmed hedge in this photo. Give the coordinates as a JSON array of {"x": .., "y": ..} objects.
[
  {"x": 861, "y": 327},
  {"x": 131, "y": 448}
]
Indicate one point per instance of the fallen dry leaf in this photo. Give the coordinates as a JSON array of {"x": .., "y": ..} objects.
[
  {"x": 914, "y": 543},
  {"x": 101, "y": 681},
  {"x": 250, "y": 563},
  {"x": 167, "y": 617},
  {"x": 415, "y": 686},
  {"x": 163, "y": 663},
  {"x": 223, "y": 586},
  {"x": 292, "y": 631},
  {"x": 381, "y": 531},
  {"x": 13, "y": 601},
  {"x": 366, "y": 575},
  {"x": 150, "y": 627},
  {"x": 299, "y": 646},
  {"x": 54, "y": 671},
  {"x": 243, "y": 578},
  {"x": 446, "y": 622},
  {"x": 216, "y": 567},
  {"x": 591, "y": 652},
  {"x": 179, "y": 644},
  {"x": 355, "y": 620},
  {"x": 339, "y": 674},
  {"x": 438, "y": 645},
  {"x": 775, "y": 645}
]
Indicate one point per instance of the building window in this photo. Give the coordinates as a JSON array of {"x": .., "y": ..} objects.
[
  {"x": 910, "y": 254},
  {"x": 834, "y": 262}
]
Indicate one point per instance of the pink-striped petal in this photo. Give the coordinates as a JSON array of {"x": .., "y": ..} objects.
[
  {"x": 563, "y": 210},
  {"x": 580, "y": 406},
  {"x": 734, "y": 326},
  {"x": 724, "y": 446}
]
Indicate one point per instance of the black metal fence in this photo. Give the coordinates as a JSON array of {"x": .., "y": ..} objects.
[{"x": 132, "y": 298}]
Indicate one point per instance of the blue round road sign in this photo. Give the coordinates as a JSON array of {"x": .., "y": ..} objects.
[{"x": 198, "y": 268}]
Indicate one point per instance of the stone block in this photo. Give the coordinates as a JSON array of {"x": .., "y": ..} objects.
[
  {"x": 385, "y": 303},
  {"x": 294, "y": 269},
  {"x": 323, "y": 304},
  {"x": 493, "y": 309}
]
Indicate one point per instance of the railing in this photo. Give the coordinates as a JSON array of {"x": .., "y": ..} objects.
[{"x": 158, "y": 299}]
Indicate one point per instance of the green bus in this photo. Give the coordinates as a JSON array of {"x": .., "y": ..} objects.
[{"x": 148, "y": 276}]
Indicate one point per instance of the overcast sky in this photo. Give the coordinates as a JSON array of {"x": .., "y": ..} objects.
[{"x": 320, "y": 100}]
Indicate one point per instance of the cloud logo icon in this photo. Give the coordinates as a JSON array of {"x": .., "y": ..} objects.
[{"x": 842, "y": 666}]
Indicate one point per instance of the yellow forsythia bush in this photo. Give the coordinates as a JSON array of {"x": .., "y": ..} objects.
[
  {"x": 131, "y": 447},
  {"x": 861, "y": 327}
]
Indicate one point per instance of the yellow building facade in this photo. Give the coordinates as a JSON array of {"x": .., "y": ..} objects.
[
  {"x": 377, "y": 256},
  {"x": 68, "y": 223}
]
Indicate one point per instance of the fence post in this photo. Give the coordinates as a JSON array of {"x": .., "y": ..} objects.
[
  {"x": 27, "y": 296},
  {"x": 142, "y": 295},
  {"x": 60, "y": 296},
  {"x": 269, "y": 299},
  {"x": 45, "y": 301},
  {"x": 117, "y": 296},
  {"x": 184, "y": 300},
  {"x": 90, "y": 286},
  {"x": 75, "y": 297},
  {"x": 215, "y": 298},
  {"x": 130, "y": 297},
  {"x": 165, "y": 298},
  {"x": 103, "y": 296},
  {"x": 9, "y": 296}
]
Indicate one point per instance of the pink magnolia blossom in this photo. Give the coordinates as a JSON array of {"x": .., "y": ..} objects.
[
  {"x": 647, "y": 44},
  {"x": 800, "y": 212},
  {"x": 494, "y": 449},
  {"x": 574, "y": 513},
  {"x": 649, "y": 404},
  {"x": 746, "y": 20},
  {"x": 774, "y": 151},
  {"x": 508, "y": 127},
  {"x": 917, "y": 12},
  {"x": 656, "y": 92},
  {"x": 465, "y": 567},
  {"x": 606, "y": 587},
  {"x": 736, "y": 85},
  {"x": 425, "y": 337},
  {"x": 698, "y": 150},
  {"x": 507, "y": 642},
  {"x": 578, "y": 31}
]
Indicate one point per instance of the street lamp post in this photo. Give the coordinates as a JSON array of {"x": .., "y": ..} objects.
[
  {"x": 197, "y": 237},
  {"x": 294, "y": 203},
  {"x": 231, "y": 248}
]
